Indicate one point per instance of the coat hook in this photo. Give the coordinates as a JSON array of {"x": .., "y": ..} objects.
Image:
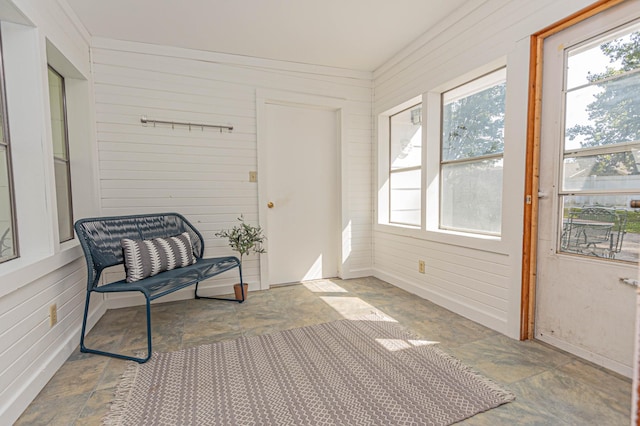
[{"x": 145, "y": 121}]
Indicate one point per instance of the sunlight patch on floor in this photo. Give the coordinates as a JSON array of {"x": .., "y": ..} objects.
[
  {"x": 354, "y": 308},
  {"x": 323, "y": 286},
  {"x": 399, "y": 344}
]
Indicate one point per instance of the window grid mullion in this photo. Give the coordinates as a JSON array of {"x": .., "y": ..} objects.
[{"x": 472, "y": 159}]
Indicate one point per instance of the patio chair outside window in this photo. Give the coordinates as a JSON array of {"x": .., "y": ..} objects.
[{"x": 596, "y": 231}]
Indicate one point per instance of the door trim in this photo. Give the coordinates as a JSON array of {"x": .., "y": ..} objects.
[
  {"x": 265, "y": 97},
  {"x": 532, "y": 168}
]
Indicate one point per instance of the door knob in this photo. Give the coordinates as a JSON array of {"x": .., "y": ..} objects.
[{"x": 270, "y": 204}]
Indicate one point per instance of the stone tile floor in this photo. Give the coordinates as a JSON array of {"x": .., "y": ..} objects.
[{"x": 551, "y": 386}]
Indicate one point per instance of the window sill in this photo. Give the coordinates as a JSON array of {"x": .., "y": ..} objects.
[
  {"x": 19, "y": 272},
  {"x": 403, "y": 230},
  {"x": 482, "y": 242}
]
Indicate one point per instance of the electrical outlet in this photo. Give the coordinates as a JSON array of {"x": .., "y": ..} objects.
[
  {"x": 421, "y": 266},
  {"x": 53, "y": 315},
  {"x": 253, "y": 176}
]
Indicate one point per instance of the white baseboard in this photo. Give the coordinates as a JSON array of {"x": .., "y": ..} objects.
[
  {"x": 357, "y": 273},
  {"x": 47, "y": 365},
  {"x": 600, "y": 360},
  {"x": 465, "y": 310}
]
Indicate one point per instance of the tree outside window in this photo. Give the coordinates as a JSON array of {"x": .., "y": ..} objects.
[
  {"x": 471, "y": 161},
  {"x": 601, "y": 150},
  {"x": 603, "y": 110}
]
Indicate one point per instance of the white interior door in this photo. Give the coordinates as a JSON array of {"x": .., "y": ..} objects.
[
  {"x": 589, "y": 172},
  {"x": 302, "y": 192}
]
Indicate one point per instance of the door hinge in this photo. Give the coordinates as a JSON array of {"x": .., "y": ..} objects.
[{"x": 528, "y": 199}]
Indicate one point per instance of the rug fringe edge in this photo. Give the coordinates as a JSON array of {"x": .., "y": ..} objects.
[
  {"x": 118, "y": 407},
  {"x": 494, "y": 387}
]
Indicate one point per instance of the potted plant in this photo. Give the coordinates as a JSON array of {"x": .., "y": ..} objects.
[{"x": 244, "y": 239}]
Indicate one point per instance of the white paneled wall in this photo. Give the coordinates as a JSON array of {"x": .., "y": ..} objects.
[
  {"x": 46, "y": 273},
  {"x": 204, "y": 174},
  {"x": 475, "y": 277}
]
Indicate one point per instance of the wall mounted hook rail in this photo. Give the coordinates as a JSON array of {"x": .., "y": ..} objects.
[{"x": 145, "y": 120}]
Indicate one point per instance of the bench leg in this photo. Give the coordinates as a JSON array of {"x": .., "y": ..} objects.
[
  {"x": 84, "y": 322},
  {"x": 84, "y": 349},
  {"x": 244, "y": 296}
]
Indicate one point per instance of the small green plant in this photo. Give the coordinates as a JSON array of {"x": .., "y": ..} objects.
[{"x": 244, "y": 238}]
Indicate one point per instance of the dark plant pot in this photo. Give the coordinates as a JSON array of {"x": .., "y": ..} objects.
[{"x": 238, "y": 291}]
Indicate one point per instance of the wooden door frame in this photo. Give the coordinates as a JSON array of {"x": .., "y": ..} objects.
[{"x": 532, "y": 168}]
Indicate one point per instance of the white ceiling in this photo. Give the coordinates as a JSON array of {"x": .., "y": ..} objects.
[{"x": 353, "y": 34}]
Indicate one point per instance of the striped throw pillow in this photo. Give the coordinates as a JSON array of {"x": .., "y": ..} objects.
[{"x": 146, "y": 258}]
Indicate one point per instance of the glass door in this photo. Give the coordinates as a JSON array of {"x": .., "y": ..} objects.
[{"x": 589, "y": 237}]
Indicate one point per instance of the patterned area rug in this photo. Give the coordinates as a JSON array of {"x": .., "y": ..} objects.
[{"x": 369, "y": 372}]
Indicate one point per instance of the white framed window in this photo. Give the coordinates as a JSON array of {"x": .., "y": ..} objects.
[
  {"x": 62, "y": 169},
  {"x": 405, "y": 166},
  {"x": 8, "y": 234},
  {"x": 600, "y": 147},
  {"x": 471, "y": 155},
  {"x": 401, "y": 156}
]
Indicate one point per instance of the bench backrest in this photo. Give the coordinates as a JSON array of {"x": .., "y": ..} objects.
[{"x": 100, "y": 237}]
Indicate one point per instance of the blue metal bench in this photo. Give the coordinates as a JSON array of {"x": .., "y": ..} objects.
[{"x": 101, "y": 241}]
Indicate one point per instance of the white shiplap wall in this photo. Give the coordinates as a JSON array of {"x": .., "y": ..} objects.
[
  {"x": 205, "y": 174},
  {"x": 477, "y": 278},
  {"x": 46, "y": 273}
]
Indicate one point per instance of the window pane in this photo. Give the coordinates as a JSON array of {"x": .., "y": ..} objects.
[
  {"x": 56, "y": 102},
  {"x": 601, "y": 226},
  {"x": 7, "y": 245},
  {"x": 63, "y": 200},
  {"x": 591, "y": 63},
  {"x": 61, "y": 155},
  {"x": 405, "y": 197},
  {"x": 602, "y": 149},
  {"x": 604, "y": 114},
  {"x": 473, "y": 118},
  {"x": 406, "y": 139},
  {"x": 472, "y": 196},
  {"x": 618, "y": 171}
]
